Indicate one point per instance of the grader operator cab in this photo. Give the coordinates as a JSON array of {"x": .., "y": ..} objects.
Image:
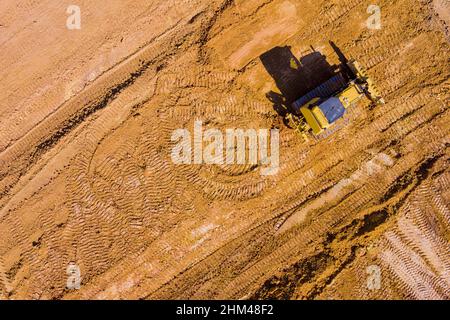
[{"x": 320, "y": 108}]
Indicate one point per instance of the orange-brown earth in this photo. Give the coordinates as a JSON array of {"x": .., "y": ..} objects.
[{"x": 86, "y": 175}]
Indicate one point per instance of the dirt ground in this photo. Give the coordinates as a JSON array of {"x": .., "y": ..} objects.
[{"x": 86, "y": 177}]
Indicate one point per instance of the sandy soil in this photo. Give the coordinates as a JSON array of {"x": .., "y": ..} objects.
[{"x": 86, "y": 177}]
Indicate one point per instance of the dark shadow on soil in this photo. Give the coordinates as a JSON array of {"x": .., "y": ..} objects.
[{"x": 296, "y": 77}]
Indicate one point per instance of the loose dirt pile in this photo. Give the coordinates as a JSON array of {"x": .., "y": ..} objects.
[{"x": 87, "y": 182}]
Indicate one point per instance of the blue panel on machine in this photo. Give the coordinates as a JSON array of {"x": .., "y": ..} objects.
[
  {"x": 325, "y": 90},
  {"x": 332, "y": 109}
]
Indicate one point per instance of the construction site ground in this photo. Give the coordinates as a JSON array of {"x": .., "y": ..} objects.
[{"x": 85, "y": 141}]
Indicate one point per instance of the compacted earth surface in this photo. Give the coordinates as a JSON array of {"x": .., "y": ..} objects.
[{"x": 92, "y": 206}]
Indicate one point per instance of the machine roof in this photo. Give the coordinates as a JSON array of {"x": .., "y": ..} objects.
[
  {"x": 326, "y": 89},
  {"x": 332, "y": 109}
]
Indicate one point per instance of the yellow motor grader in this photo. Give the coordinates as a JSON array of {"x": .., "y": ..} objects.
[{"x": 324, "y": 105}]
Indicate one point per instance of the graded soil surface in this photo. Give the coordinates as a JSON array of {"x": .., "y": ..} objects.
[{"x": 87, "y": 179}]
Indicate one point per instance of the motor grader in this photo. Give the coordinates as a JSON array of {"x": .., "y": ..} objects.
[{"x": 320, "y": 108}]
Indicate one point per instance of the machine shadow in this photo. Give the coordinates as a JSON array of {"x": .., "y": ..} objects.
[{"x": 294, "y": 77}]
